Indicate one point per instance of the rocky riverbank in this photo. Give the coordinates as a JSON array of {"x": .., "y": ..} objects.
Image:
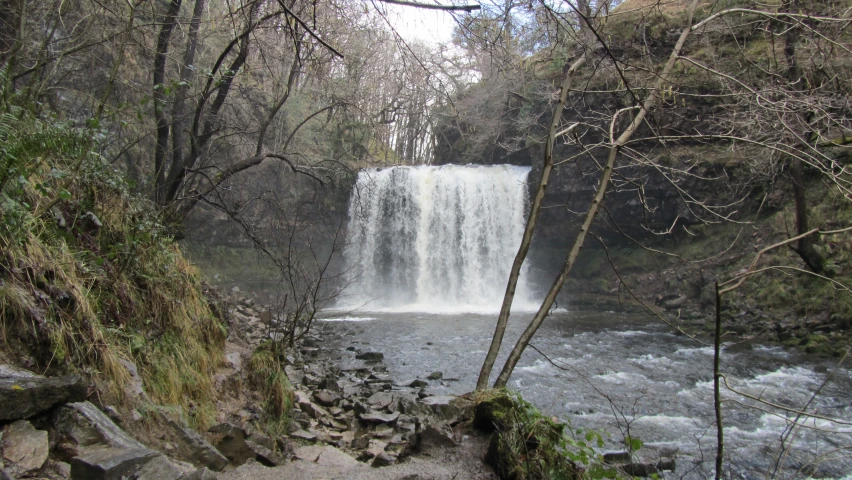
[
  {"x": 349, "y": 419},
  {"x": 343, "y": 419}
]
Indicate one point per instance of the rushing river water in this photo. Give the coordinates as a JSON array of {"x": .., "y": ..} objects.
[{"x": 619, "y": 370}]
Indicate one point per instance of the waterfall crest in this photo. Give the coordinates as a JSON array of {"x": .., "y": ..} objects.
[{"x": 435, "y": 238}]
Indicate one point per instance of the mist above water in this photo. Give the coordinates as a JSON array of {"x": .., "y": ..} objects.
[{"x": 435, "y": 239}]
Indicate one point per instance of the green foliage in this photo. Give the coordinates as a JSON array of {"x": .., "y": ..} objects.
[{"x": 95, "y": 280}]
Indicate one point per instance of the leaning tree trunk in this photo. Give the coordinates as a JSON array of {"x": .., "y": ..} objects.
[
  {"x": 616, "y": 146},
  {"x": 535, "y": 210}
]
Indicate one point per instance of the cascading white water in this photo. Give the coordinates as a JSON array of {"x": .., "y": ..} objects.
[{"x": 435, "y": 238}]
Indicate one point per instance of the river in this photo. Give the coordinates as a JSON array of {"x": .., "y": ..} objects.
[{"x": 622, "y": 373}]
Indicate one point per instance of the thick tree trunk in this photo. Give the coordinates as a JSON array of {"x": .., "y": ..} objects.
[
  {"x": 179, "y": 110},
  {"x": 160, "y": 59},
  {"x": 546, "y": 305},
  {"x": 532, "y": 219}
]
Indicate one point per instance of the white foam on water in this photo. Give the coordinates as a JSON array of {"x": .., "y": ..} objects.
[
  {"x": 619, "y": 378},
  {"x": 347, "y": 319}
]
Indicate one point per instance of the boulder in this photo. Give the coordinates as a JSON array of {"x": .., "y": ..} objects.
[
  {"x": 434, "y": 437},
  {"x": 193, "y": 448},
  {"x": 107, "y": 463},
  {"x": 435, "y": 376},
  {"x": 22, "y": 397},
  {"x": 370, "y": 356},
  {"x": 294, "y": 374},
  {"x": 25, "y": 449},
  {"x": 82, "y": 424},
  {"x": 417, "y": 383},
  {"x": 488, "y": 414},
  {"x": 379, "y": 417}
]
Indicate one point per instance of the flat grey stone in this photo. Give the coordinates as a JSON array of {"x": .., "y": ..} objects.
[
  {"x": 23, "y": 397},
  {"x": 106, "y": 463}
]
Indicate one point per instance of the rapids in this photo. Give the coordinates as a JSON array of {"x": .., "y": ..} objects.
[{"x": 621, "y": 371}]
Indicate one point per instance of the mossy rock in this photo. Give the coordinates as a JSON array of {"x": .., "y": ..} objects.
[{"x": 490, "y": 413}]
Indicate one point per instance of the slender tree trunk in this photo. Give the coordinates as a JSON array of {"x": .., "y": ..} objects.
[
  {"x": 532, "y": 219},
  {"x": 160, "y": 59},
  {"x": 543, "y": 311},
  {"x": 717, "y": 389}
]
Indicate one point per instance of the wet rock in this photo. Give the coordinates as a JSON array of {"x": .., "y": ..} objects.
[
  {"x": 617, "y": 457},
  {"x": 24, "y": 447},
  {"x": 326, "y": 398},
  {"x": 370, "y": 356},
  {"x": 108, "y": 463},
  {"x": 435, "y": 376},
  {"x": 417, "y": 383},
  {"x": 379, "y": 417},
  {"x": 82, "y": 424},
  {"x": 193, "y": 448},
  {"x": 667, "y": 464},
  {"x": 640, "y": 469},
  {"x": 23, "y": 397}
]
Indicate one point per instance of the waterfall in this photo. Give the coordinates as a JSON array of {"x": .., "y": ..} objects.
[{"x": 435, "y": 238}]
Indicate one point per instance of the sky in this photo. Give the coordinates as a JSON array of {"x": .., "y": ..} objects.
[{"x": 430, "y": 26}]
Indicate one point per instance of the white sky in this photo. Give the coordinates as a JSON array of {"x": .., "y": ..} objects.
[{"x": 430, "y": 26}]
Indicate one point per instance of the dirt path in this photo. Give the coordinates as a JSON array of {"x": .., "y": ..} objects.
[{"x": 463, "y": 462}]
